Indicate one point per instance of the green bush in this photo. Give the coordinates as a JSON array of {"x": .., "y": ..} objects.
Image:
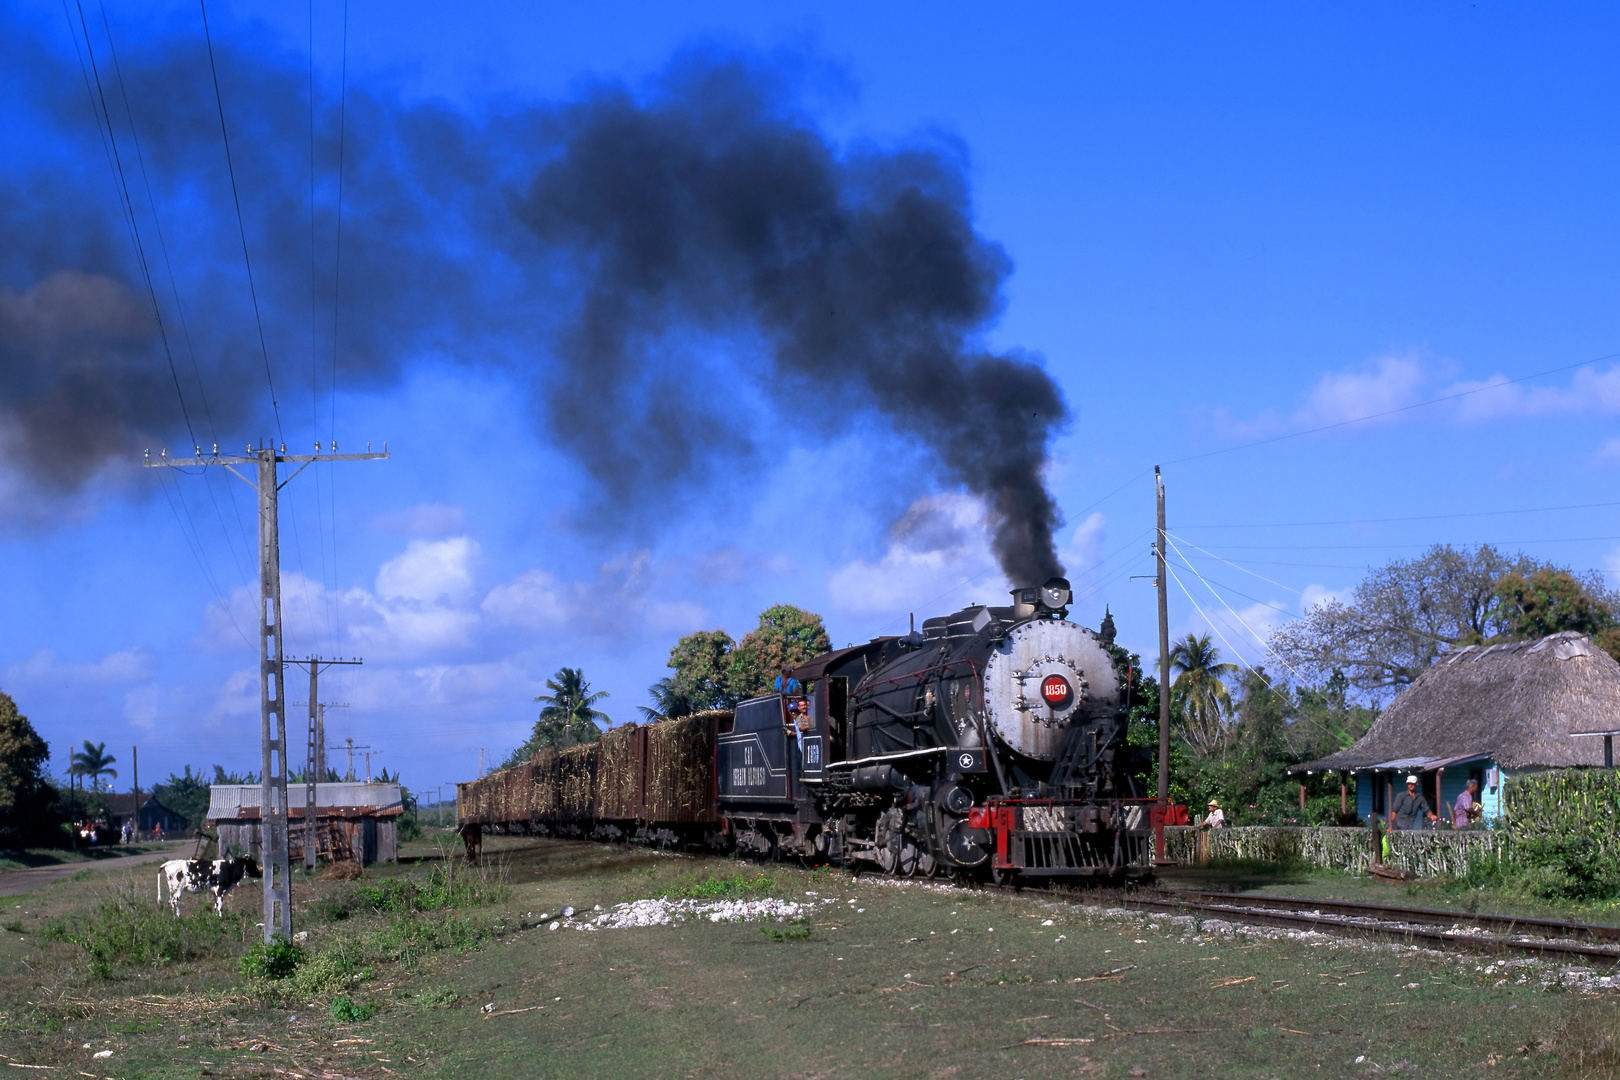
[
  {"x": 1563, "y": 833},
  {"x": 345, "y": 1010},
  {"x": 738, "y": 886},
  {"x": 337, "y": 966},
  {"x": 275, "y": 960}
]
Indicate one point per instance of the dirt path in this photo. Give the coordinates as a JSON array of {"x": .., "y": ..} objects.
[{"x": 13, "y": 882}]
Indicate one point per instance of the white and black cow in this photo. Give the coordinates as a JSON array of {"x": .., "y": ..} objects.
[{"x": 218, "y": 876}]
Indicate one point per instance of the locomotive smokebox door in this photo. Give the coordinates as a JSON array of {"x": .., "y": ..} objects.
[{"x": 1043, "y": 675}]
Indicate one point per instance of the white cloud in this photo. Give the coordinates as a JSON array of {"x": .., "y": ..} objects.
[
  {"x": 116, "y": 668},
  {"x": 1392, "y": 383},
  {"x": 430, "y": 571},
  {"x": 1319, "y": 594},
  {"x": 1608, "y": 452},
  {"x": 939, "y": 546}
]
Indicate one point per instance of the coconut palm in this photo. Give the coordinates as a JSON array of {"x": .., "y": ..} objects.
[
  {"x": 1199, "y": 688},
  {"x": 569, "y": 716},
  {"x": 93, "y": 761},
  {"x": 669, "y": 703}
]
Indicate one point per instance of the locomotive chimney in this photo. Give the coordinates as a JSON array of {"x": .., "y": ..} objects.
[{"x": 1052, "y": 598}]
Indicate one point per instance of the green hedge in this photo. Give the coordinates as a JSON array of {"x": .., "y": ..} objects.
[
  {"x": 1559, "y": 833},
  {"x": 1427, "y": 853}
]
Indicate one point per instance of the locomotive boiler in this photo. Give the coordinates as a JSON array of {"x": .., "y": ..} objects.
[{"x": 984, "y": 743}]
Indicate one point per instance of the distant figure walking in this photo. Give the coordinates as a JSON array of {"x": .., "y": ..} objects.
[
  {"x": 1411, "y": 809},
  {"x": 1466, "y": 810}
]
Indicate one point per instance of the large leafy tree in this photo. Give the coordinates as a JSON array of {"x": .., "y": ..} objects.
[
  {"x": 1551, "y": 601},
  {"x": 93, "y": 762},
  {"x": 1405, "y": 615},
  {"x": 26, "y": 796},
  {"x": 1199, "y": 689},
  {"x": 1401, "y": 617},
  {"x": 702, "y": 673},
  {"x": 786, "y": 636}
]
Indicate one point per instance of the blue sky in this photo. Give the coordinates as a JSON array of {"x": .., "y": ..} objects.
[{"x": 1224, "y": 225}]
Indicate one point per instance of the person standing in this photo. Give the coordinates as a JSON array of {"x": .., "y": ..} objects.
[
  {"x": 1215, "y": 819},
  {"x": 1411, "y": 809},
  {"x": 1466, "y": 810}
]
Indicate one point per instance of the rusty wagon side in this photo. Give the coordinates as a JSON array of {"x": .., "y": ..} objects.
[{"x": 651, "y": 781}]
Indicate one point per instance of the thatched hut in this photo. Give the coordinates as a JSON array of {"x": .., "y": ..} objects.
[{"x": 1482, "y": 713}]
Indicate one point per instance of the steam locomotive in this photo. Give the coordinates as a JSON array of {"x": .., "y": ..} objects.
[{"x": 988, "y": 743}]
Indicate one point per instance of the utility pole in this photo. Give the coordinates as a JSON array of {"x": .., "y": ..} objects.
[
  {"x": 1164, "y": 653},
  {"x": 349, "y": 745},
  {"x": 272, "y": 660},
  {"x": 135, "y": 764},
  {"x": 315, "y": 769}
]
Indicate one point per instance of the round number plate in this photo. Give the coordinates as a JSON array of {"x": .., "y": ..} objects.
[{"x": 1056, "y": 691}]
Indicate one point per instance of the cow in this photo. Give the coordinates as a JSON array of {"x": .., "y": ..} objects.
[{"x": 218, "y": 876}]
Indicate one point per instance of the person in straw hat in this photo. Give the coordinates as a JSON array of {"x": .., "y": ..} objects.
[{"x": 1215, "y": 819}]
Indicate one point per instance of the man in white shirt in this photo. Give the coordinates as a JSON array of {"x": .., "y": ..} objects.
[
  {"x": 1466, "y": 810},
  {"x": 1214, "y": 819}
]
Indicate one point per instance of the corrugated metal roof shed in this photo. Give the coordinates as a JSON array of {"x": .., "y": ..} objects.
[{"x": 228, "y": 801}]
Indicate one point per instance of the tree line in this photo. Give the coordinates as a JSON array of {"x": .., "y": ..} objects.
[{"x": 1237, "y": 731}]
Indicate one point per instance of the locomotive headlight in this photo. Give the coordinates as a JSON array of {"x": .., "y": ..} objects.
[{"x": 1055, "y": 593}]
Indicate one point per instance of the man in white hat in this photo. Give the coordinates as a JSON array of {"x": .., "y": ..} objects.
[
  {"x": 1410, "y": 808},
  {"x": 1214, "y": 819}
]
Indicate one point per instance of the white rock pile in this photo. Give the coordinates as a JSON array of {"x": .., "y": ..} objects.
[{"x": 663, "y": 911}]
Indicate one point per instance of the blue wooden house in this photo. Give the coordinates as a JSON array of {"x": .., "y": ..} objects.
[{"x": 1485, "y": 712}]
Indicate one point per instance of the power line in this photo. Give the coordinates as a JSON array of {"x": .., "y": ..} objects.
[
  {"x": 1415, "y": 517},
  {"x": 1392, "y": 412},
  {"x": 174, "y": 289},
  {"x": 129, "y": 208},
  {"x": 241, "y": 226}
]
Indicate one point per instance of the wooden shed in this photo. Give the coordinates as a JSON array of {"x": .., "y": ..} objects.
[{"x": 356, "y": 821}]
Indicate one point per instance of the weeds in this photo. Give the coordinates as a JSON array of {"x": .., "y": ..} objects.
[
  {"x": 448, "y": 885},
  {"x": 438, "y": 997},
  {"x": 737, "y": 886},
  {"x": 277, "y": 960},
  {"x": 345, "y": 1010},
  {"x": 126, "y": 928},
  {"x": 798, "y": 930}
]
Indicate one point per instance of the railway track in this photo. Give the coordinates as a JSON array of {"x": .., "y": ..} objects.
[{"x": 1431, "y": 926}]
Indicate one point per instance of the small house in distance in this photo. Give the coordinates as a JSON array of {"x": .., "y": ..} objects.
[
  {"x": 1484, "y": 713},
  {"x": 121, "y": 807},
  {"x": 355, "y": 821}
]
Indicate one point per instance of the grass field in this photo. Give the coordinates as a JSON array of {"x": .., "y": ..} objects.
[{"x": 415, "y": 971}]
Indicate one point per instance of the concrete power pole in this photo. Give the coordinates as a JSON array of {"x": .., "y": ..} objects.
[
  {"x": 315, "y": 769},
  {"x": 272, "y": 660},
  {"x": 1164, "y": 652}
]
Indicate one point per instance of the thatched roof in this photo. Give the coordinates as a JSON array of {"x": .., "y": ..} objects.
[{"x": 1517, "y": 702}]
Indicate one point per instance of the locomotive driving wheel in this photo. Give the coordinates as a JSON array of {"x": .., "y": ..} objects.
[{"x": 908, "y": 860}]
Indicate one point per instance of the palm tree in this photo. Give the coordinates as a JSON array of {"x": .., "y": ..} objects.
[
  {"x": 93, "y": 761},
  {"x": 568, "y": 709},
  {"x": 669, "y": 703},
  {"x": 1200, "y": 689}
]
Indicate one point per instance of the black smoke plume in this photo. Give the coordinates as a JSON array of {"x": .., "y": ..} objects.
[{"x": 637, "y": 256}]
